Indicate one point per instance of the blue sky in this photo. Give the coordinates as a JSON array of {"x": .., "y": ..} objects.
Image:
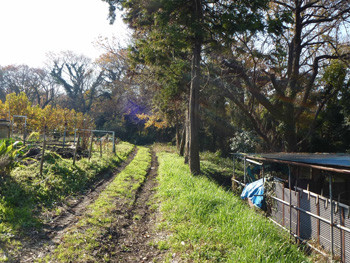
[{"x": 32, "y": 28}]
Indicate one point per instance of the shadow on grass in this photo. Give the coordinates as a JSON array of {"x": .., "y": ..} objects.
[
  {"x": 17, "y": 205},
  {"x": 221, "y": 179}
]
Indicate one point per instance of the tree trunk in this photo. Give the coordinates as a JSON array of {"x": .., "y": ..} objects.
[
  {"x": 290, "y": 137},
  {"x": 183, "y": 140},
  {"x": 187, "y": 127},
  {"x": 194, "y": 108},
  {"x": 177, "y": 136}
]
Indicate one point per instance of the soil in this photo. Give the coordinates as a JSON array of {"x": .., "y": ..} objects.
[
  {"x": 67, "y": 152},
  {"x": 136, "y": 228},
  {"x": 38, "y": 244},
  {"x": 132, "y": 232}
]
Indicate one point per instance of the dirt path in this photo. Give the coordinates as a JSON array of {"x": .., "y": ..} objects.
[
  {"x": 45, "y": 241},
  {"x": 135, "y": 229}
]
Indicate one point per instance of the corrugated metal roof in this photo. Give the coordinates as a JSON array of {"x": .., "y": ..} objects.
[{"x": 324, "y": 159}]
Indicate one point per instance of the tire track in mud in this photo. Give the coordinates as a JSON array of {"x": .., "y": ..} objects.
[
  {"x": 46, "y": 241},
  {"x": 135, "y": 230}
]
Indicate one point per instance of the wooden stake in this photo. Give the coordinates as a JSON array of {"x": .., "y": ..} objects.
[
  {"x": 90, "y": 150},
  {"x": 75, "y": 150},
  {"x": 43, "y": 153},
  {"x": 100, "y": 148}
]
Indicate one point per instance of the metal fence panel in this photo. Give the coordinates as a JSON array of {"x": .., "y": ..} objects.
[
  {"x": 312, "y": 228},
  {"x": 346, "y": 235}
]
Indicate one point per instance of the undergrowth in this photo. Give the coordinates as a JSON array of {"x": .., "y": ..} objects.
[
  {"x": 209, "y": 224},
  {"x": 24, "y": 194},
  {"x": 83, "y": 241}
]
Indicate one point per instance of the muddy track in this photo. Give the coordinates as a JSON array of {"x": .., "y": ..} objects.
[
  {"x": 135, "y": 237},
  {"x": 135, "y": 230},
  {"x": 52, "y": 232}
]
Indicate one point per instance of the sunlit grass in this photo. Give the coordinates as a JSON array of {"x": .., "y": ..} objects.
[
  {"x": 25, "y": 194},
  {"x": 209, "y": 224},
  {"x": 91, "y": 232}
]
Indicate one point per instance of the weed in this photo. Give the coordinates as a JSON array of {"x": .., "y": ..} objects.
[
  {"x": 136, "y": 217},
  {"x": 163, "y": 245}
]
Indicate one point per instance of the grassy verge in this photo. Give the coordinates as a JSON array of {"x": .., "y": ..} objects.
[
  {"x": 209, "y": 224},
  {"x": 24, "y": 194},
  {"x": 83, "y": 241}
]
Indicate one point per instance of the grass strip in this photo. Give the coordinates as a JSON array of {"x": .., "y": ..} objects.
[
  {"x": 210, "y": 224},
  {"x": 83, "y": 241},
  {"x": 24, "y": 194}
]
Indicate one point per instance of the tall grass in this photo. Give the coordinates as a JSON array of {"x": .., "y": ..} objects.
[{"x": 209, "y": 224}]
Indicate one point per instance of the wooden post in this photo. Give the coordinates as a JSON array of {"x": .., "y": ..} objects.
[
  {"x": 113, "y": 142},
  {"x": 75, "y": 135},
  {"x": 25, "y": 131},
  {"x": 90, "y": 149},
  {"x": 100, "y": 148},
  {"x": 43, "y": 152},
  {"x": 64, "y": 134},
  {"x": 75, "y": 150}
]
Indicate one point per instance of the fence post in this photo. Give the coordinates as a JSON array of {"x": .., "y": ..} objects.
[
  {"x": 298, "y": 224},
  {"x": 43, "y": 152},
  {"x": 90, "y": 149},
  {"x": 25, "y": 131},
  {"x": 233, "y": 183},
  {"x": 331, "y": 206},
  {"x": 75, "y": 135},
  {"x": 290, "y": 200},
  {"x": 283, "y": 205},
  {"x": 114, "y": 142},
  {"x": 75, "y": 150},
  {"x": 245, "y": 171},
  {"x": 64, "y": 134},
  {"x": 100, "y": 148}
]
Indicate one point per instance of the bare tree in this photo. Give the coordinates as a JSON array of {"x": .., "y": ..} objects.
[{"x": 80, "y": 79}]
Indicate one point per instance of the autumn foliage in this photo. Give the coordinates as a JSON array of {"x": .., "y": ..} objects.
[
  {"x": 152, "y": 120},
  {"x": 54, "y": 118}
]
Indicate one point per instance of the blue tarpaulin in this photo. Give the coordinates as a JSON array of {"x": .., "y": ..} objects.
[{"x": 255, "y": 192}]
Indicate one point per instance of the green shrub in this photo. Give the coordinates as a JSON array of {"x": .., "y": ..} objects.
[{"x": 9, "y": 157}]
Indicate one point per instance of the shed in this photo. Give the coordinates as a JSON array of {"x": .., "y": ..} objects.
[{"x": 311, "y": 196}]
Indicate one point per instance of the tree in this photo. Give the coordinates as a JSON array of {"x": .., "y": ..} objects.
[
  {"x": 80, "y": 80},
  {"x": 275, "y": 77},
  {"x": 196, "y": 20},
  {"x": 36, "y": 83}
]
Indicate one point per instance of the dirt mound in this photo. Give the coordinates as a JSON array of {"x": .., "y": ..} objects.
[
  {"x": 67, "y": 153},
  {"x": 32, "y": 152}
]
